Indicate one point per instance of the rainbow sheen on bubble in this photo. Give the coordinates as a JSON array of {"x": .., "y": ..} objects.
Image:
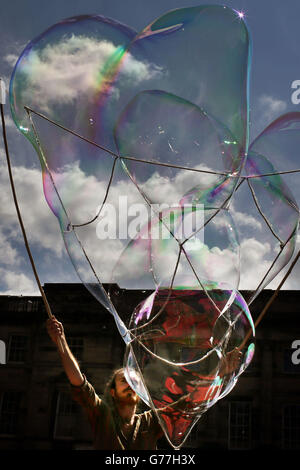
[
  {"x": 181, "y": 359},
  {"x": 275, "y": 207},
  {"x": 149, "y": 126},
  {"x": 181, "y": 247}
]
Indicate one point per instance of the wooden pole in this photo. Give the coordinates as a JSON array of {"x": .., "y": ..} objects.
[{"x": 47, "y": 306}]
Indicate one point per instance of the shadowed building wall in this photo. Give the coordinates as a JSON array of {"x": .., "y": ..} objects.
[{"x": 36, "y": 410}]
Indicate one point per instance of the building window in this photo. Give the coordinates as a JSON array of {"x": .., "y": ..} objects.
[
  {"x": 24, "y": 305},
  {"x": 76, "y": 345},
  {"x": 9, "y": 412},
  {"x": 65, "y": 417},
  {"x": 239, "y": 433},
  {"x": 33, "y": 305},
  {"x": 291, "y": 427},
  {"x": 17, "y": 349}
]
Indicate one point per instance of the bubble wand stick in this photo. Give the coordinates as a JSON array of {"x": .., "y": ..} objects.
[{"x": 47, "y": 306}]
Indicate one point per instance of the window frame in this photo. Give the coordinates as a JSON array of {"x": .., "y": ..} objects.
[
  {"x": 284, "y": 428},
  {"x": 57, "y": 434},
  {"x": 246, "y": 424},
  {"x": 14, "y": 414},
  {"x": 17, "y": 350}
]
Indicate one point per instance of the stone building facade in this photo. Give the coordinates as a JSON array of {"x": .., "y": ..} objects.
[{"x": 36, "y": 409}]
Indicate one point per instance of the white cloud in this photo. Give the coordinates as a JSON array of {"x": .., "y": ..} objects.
[
  {"x": 42, "y": 231},
  {"x": 44, "y": 234},
  {"x": 10, "y": 256},
  {"x": 270, "y": 108},
  {"x": 105, "y": 253},
  {"x": 255, "y": 261},
  {"x": 11, "y": 59},
  {"x": 17, "y": 283},
  {"x": 10, "y": 123},
  {"x": 242, "y": 219},
  {"x": 219, "y": 263},
  {"x": 34, "y": 211},
  {"x": 62, "y": 72}
]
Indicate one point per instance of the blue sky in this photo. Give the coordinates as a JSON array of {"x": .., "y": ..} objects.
[{"x": 274, "y": 26}]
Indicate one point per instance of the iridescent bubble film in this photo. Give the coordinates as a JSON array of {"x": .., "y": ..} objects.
[
  {"x": 143, "y": 139},
  {"x": 269, "y": 200},
  {"x": 187, "y": 353}
]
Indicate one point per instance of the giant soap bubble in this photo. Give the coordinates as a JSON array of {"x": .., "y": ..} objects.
[{"x": 143, "y": 143}]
